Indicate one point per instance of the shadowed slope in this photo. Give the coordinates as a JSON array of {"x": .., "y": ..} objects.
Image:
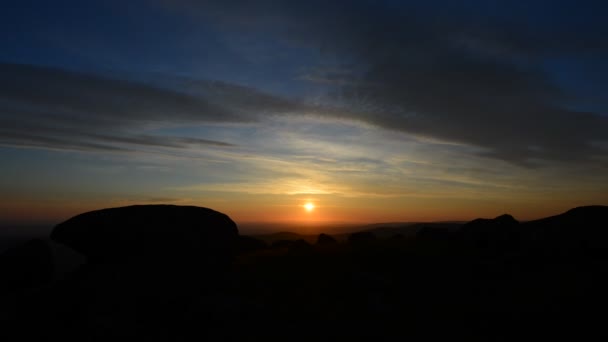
[{"x": 582, "y": 227}]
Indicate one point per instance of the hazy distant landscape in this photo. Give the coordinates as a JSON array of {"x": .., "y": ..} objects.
[{"x": 12, "y": 234}]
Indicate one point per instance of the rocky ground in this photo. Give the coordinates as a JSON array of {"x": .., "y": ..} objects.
[{"x": 173, "y": 273}]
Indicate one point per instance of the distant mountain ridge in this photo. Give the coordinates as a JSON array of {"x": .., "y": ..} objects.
[{"x": 503, "y": 227}]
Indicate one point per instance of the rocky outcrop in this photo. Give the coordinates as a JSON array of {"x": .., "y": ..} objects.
[{"x": 161, "y": 230}]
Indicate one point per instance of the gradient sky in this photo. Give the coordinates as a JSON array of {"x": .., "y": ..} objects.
[{"x": 373, "y": 110}]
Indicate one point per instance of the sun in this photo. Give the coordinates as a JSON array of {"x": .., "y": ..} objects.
[{"x": 309, "y": 207}]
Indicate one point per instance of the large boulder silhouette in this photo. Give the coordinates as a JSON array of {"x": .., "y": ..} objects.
[
  {"x": 144, "y": 266},
  {"x": 160, "y": 230}
]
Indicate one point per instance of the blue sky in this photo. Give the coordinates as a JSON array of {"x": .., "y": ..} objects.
[{"x": 375, "y": 110}]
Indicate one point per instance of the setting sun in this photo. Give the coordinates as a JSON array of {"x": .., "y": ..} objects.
[{"x": 309, "y": 207}]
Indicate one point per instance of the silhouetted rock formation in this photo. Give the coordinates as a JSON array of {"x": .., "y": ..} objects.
[
  {"x": 26, "y": 266},
  {"x": 494, "y": 279},
  {"x": 144, "y": 266},
  {"x": 326, "y": 240},
  {"x": 119, "y": 233}
]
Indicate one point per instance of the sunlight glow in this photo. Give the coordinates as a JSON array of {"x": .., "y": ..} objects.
[{"x": 309, "y": 207}]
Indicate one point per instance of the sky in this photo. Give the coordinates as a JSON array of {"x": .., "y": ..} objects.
[{"x": 375, "y": 111}]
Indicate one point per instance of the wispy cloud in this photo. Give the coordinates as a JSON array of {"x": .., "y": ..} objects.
[
  {"x": 446, "y": 70},
  {"x": 59, "y": 109}
]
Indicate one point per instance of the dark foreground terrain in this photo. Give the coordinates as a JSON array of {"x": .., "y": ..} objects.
[{"x": 171, "y": 273}]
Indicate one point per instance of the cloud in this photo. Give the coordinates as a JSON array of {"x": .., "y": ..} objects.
[
  {"x": 456, "y": 73},
  {"x": 328, "y": 75},
  {"x": 60, "y": 109},
  {"x": 476, "y": 73},
  {"x": 98, "y": 142}
]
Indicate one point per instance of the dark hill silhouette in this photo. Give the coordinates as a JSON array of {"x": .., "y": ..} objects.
[
  {"x": 488, "y": 226},
  {"x": 494, "y": 235},
  {"x": 589, "y": 216},
  {"x": 128, "y": 231},
  {"x": 581, "y": 227}
]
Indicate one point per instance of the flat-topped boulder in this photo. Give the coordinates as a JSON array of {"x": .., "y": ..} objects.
[{"x": 157, "y": 230}]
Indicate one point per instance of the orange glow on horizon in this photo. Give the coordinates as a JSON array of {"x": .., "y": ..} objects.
[{"x": 297, "y": 210}]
